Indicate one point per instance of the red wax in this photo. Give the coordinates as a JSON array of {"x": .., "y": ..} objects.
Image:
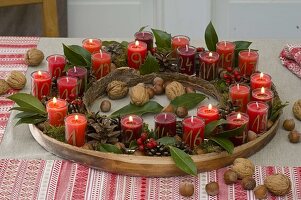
[
  {"x": 92, "y": 45},
  {"x": 147, "y": 37},
  {"x": 186, "y": 59},
  {"x": 75, "y": 129},
  {"x": 236, "y": 120},
  {"x": 247, "y": 62},
  {"x": 137, "y": 52},
  {"x": 208, "y": 65},
  {"x": 258, "y": 116},
  {"x": 81, "y": 74},
  {"x": 131, "y": 127},
  {"x": 165, "y": 124},
  {"x": 179, "y": 41},
  {"x": 56, "y": 65},
  {"x": 259, "y": 80},
  {"x": 67, "y": 87},
  {"x": 193, "y": 130},
  {"x": 40, "y": 84},
  {"x": 57, "y": 111},
  {"x": 239, "y": 95},
  {"x": 225, "y": 49},
  {"x": 208, "y": 113},
  {"x": 101, "y": 64}
]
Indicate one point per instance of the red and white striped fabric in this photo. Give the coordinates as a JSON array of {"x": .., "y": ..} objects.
[
  {"x": 290, "y": 57},
  {"x": 12, "y": 50},
  {"x": 54, "y": 179}
]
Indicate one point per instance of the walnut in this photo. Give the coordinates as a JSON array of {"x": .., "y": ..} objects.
[
  {"x": 186, "y": 189},
  {"x": 4, "y": 87},
  {"x": 174, "y": 89},
  {"x": 16, "y": 80},
  {"x": 297, "y": 109},
  {"x": 117, "y": 89},
  {"x": 34, "y": 57},
  {"x": 243, "y": 167},
  {"x": 139, "y": 95},
  {"x": 278, "y": 184}
]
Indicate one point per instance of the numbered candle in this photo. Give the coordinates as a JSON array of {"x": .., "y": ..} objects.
[
  {"x": 247, "y": 62},
  {"x": 208, "y": 113},
  {"x": 193, "y": 130},
  {"x": 57, "y": 111},
  {"x": 265, "y": 95},
  {"x": 258, "y": 116},
  {"x": 131, "y": 127},
  {"x": 236, "y": 120},
  {"x": 239, "y": 95},
  {"x": 146, "y": 37},
  {"x": 56, "y": 65},
  {"x": 75, "y": 129},
  {"x": 81, "y": 74},
  {"x": 225, "y": 49},
  {"x": 67, "y": 88},
  {"x": 165, "y": 124},
  {"x": 92, "y": 45},
  {"x": 101, "y": 64},
  {"x": 179, "y": 41},
  {"x": 186, "y": 59},
  {"x": 40, "y": 84},
  {"x": 208, "y": 65},
  {"x": 259, "y": 80},
  {"x": 137, "y": 52}
]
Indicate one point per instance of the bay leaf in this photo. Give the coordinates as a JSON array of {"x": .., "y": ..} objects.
[
  {"x": 211, "y": 37},
  {"x": 167, "y": 140},
  {"x": 233, "y": 132},
  {"x": 188, "y": 100},
  {"x": 77, "y": 55},
  {"x": 224, "y": 143},
  {"x": 142, "y": 28},
  {"x": 163, "y": 39},
  {"x": 150, "y": 65},
  {"x": 209, "y": 128},
  {"x": 108, "y": 148}
]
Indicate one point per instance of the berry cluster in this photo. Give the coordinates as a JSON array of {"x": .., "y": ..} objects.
[
  {"x": 143, "y": 142},
  {"x": 231, "y": 75}
]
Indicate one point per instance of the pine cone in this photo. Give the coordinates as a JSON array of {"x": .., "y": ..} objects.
[
  {"x": 183, "y": 146},
  {"x": 159, "y": 150},
  {"x": 118, "y": 53},
  {"x": 166, "y": 61}
]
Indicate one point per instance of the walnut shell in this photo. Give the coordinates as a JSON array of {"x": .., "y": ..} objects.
[
  {"x": 278, "y": 184},
  {"x": 16, "y": 80},
  {"x": 139, "y": 95},
  {"x": 297, "y": 109},
  {"x": 4, "y": 87},
  {"x": 243, "y": 167},
  {"x": 117, "y": 89},
  {"x": 174, "y": 89},
  {"x": 34, "y": 57}
]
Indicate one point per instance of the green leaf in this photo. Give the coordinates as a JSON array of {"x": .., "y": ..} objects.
[
  {"x": 29, "y": 102},
  {"x": 149, "y": 107},
  {"x": 211, "y": 37},
  {"x": 167, "y": 140},
  {"x": 124, "y": 44},
  {"x": 108, "y": 148},
  {"x": 233, "y": 132},
  {"x": 30, "y": 120},
  {"x": 188, "y": 100},
  {"x": 142, "y": 28},
  {"x": 24, "y": 109},
  {"x": 133, "y": 144},
  {"x": 150, "y": 65},
  {"x": 209, "y": 128},
  {"x": 183, "y": 161},
  {"x": 224, "y": 143},
  {"x": 77, "y": 55},
  {"x": 163, "y": 39},
  {"x": 242, "y": 44},
  {"x": 25, "y": 115}
]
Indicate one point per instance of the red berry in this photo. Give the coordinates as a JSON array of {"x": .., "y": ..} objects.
[
  {"x": 226, "y": 76},
  {"x": 141, "y": 148},
  {"x": 153, "y": 50},
  {"x": 200, "y": 49},
  {"x": 150, "y": 145},
  {"x": 140, "y": 141},
  {"x": 236, "y": 73},
  {"x": 237, "y": 78},
  {"x": 143, "y": 136},
  {"x": 229, "y": 69},
  {"x": 154, "y": 144}
]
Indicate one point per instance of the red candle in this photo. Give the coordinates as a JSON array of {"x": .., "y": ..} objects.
[
  {"x": 67, "y": 87},
  {"x": 263, "y": 94},
  {"x": 131, "y": 127},
  {"x": 236, "y": 120},
  {"x": 137, "y": 52},
  {"x": 40, "y": 84},
  {"x": 147, "y": 37},
  {"x": 258, "y": 116},
  {"x": 56, "y": 65},
  {"x": 247, "y": 62},
  {"x": 75, "y": 129},
  {"x": 57, "y": 111},
  {"x": 193, "y": 130},
  {"x": 179, "y": 41},
  {"x": 186, "y": 59},
  {"x": 81, "y": 74},
  {"x": 208, "y": 113},
  {"x": 101, "y": 64},
  {"x": 239, "y": 95},
  {"x": 165, "y": 124},
  {"x": 225, "y": 49},
  {"x": 259, "y": 80},
  {"x": 208, "y": 65},
  {"x": 92, "y": 45}
]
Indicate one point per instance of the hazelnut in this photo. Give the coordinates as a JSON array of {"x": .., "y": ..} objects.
[
  {"x": 297, "y": 109},
  {"x": 105, "y": 106},
  {"x": 16, "y": 80},
  {"x": 117, "y": 89},
  {"x": 151, "y": 92},
  {"x": 168, "y": 108},
  {"x": 190, "y": 90},
  {"x": 34, "y": 57},
  {"x": 174, "y": 89},
  {"x": 251, "y": 135},
  {"x": 158, "y": 81},
  {"x": 270, "y": 124},
  {"x": 289, "y": 124},
  {"x": 278, "y": 184},
  {"x": 166, "y": 83},
  {"x": 158, "y": 89},
  {"x": 186, "y": 189},
  {"x": 212, "y": 188},
  {"x": 260, "y": 192},
  {"x": 4, "y": 87},
  {"x": 87, "y": 146},
  {"x": 243, "y": 167},
  {"x": 230, "y": 177},
  {"x": 119, "y": 145},
  {"x": 139, "y": 95},
  {"x": 294, "y": 137},
  {"x": 248, "y": 183},
  {"x": 181, "y": 112},
  {"x": 138, "y": 153},
  {"x": 198, "y": 150}
]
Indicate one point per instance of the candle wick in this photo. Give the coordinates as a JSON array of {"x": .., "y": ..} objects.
[
  {"x": 74, "y": 69},
  {"x": 257, "y": 105},
  {"x": 191, "y": 119},
  {"x": 238, "y": 86},
  {"x": 142, "y": 34},
  {"x": 67, "y": 79},
  {"x": 165, "y": 116},
  {"x": 186, "y": 48},
  {"x": 178, "y": 39},
  {"x": 225, "y": 43},
  {"x": 100, "y": 53},
  {"x": 249, "y": 52},
  {"x": 55, "y": 58}
]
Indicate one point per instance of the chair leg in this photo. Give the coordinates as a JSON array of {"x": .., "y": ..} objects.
[{"x": 50, "y": 18}]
